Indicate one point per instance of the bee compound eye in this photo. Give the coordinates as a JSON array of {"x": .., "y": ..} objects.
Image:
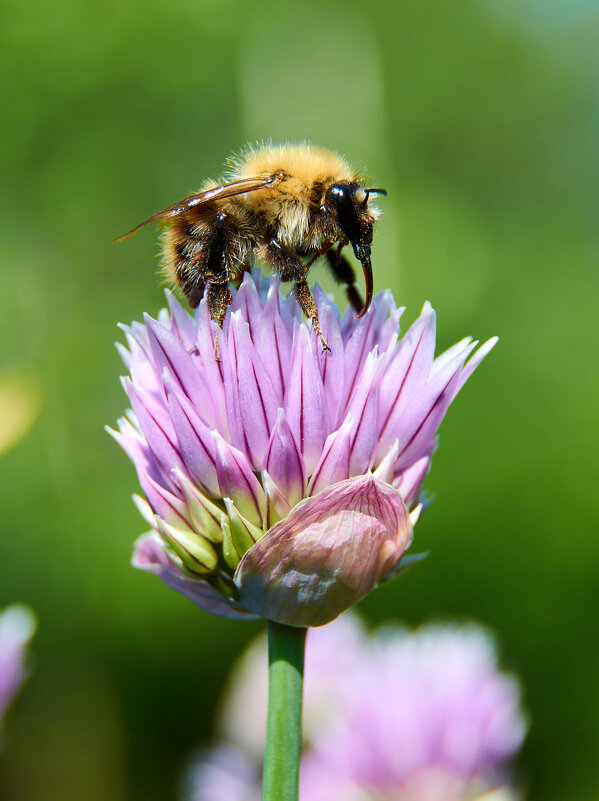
[{"x": 340, "y": 195}]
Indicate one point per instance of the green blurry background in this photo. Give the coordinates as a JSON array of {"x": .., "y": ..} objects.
[{"x": 481, "y": 119}]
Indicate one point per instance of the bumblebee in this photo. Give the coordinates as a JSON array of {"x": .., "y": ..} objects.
[{"x": 287, "y": 206}]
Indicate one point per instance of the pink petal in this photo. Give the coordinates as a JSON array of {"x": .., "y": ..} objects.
[
  {"x": 168, "y": 351},
  {"x": 410, "y": 480},
  {"x": 210, "y": 369},
  {"x": 150, "y": 556},
  {"x": 304, "y": 402},
  {"x": 273, "y": 342},
  {"x": 406, "y": 372},
  {"x": 196, "y": 443},
  {"x": 252, "y": 402},
  {"x": 363, "y": 406},
  {"x": 182, "y": 324},
  {"x": 333, "y": 465},
  {"x": 238, "y": 482},
  {"x": 157, "y": 428},
  {"x": 284, "y": 462},
  {"x": 332, "y": 363}
]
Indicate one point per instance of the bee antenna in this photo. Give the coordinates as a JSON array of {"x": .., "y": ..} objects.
[{"x": 373, "y": 192}]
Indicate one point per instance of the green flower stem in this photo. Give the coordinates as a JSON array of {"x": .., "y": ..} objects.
[{"x": 284, "y": 728}]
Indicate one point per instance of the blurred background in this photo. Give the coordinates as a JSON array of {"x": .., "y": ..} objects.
[{"x": 481, "y": 119}]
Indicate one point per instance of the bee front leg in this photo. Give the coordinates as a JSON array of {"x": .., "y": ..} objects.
[
  {"x": 291, "y": 268},
  {"x": 344, "y": 273}
]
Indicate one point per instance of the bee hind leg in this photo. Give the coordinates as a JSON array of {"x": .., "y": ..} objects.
[
  {"x": 344, "y": 273},
  {"x": 291, "y": 268}
]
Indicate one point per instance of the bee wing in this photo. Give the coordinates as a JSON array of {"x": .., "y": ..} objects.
[{"x": 239, "y": 187}]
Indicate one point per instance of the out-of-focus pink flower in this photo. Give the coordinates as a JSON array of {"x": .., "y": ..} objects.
[
  {"x": 17, "y": 625},
  {"x": 430, "y": 716},
  {"x": 223, "y": 774},
  {"x": 280, "y": 480},
  {"x": 393, "y": 716}
]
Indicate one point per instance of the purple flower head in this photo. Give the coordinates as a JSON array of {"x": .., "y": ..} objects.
[
  {"x": 17, "y": 625},
  {"x": 280, "y": 480},
  {"x": 392, "y": 716}
]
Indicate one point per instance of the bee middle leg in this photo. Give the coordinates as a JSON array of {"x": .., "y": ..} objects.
[
  {"x": 216, "y": 246},
  {"x": 291, "y": 268},
  {"x": 344, "y": 273}
]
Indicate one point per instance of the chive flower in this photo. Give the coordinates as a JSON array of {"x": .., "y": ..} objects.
[{"x": 282, "y": 481}]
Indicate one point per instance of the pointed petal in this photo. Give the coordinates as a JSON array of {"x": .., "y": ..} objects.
[
  {"x": 363, "y": 407},
  {"x": 170, "y": 353},
  {"x": 277, "y": 506},
  {"x": 205, "y": 515},
  {"x": 163, "y": 502},
  {"x": 253, "y": 409},
  {"x": 330, "y": 552},
  {"x": 357, "y": 347},
  {"x": 243, "y": 533},
  {"x": 158, "y": 488},
  {"x": 247, "y": 302},
  {"x": 284, "y": 462},
  {"x": 304, "y": 402},
  {"x": 156, "y": 426},
  {"x": 332, "y": 363},
  {"x": 420, "y": 421},
  {"x": 195, "y": 441},
  {"x": 181, "y": 323},
  {"x": 407, "y": 370},
  {"x": 409, "y": 481},
  {"x": 145, "y": 510},
  {"x": 273, "y": 341},
  {"x": 386, "y": 469},
  {"x": 149, "y": 555},
  {"x": 209, "y": 368},
  {"x": 334, "y": 462},
  {"x": 477, "y": 358},
  {"x": 388, "y": 333},
  {"x": 195, "y": 552},
  {"x": 238, "y": 482}
]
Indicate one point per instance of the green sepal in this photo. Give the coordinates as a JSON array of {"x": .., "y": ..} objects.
[
  {"x": 243, "y": 533},
  {"x": 205, "y": 515},
  {"x": 405, "y": 563},
  {"x": 230, "y": 555},
  {"x": 195, "y": 552}
]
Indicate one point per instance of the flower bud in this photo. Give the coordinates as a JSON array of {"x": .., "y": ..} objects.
[{"x": 330, "y": 551}]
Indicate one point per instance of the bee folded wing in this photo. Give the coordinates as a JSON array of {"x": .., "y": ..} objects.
[{"x": 239, "y": 187}]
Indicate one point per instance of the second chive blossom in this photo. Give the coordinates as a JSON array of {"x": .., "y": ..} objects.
[{"x": 282, "y": 481}]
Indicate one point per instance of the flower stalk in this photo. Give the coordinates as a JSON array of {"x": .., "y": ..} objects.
[{"x": 286, "y": 646}]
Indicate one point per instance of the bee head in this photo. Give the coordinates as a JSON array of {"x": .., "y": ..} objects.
[{"x": 348, "y": 201}]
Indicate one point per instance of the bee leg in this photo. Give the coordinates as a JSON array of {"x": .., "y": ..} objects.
[
  {"x": 194, "y": 292},
  {"x": 305, "y": 298},
  {"x": 344, "y": 273},
  {"x": 291, "y": 268},
  {"x": 219, "y": 300}
]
